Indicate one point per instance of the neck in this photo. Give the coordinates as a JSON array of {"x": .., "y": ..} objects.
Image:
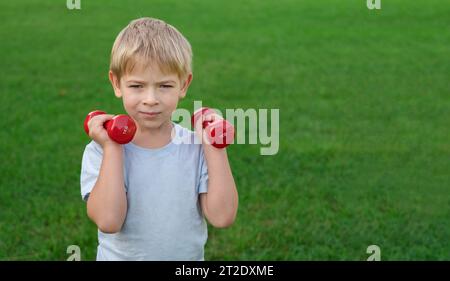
[{"x": 154, "y": 137}]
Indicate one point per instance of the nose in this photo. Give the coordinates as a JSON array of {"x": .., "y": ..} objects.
[{"x": 150, "y": 98}]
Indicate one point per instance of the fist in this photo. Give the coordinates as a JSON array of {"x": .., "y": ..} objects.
[{"x": 212, "y": 128}]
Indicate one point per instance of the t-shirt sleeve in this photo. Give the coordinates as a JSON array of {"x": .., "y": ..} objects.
[
  {"x": 203, "y": 182},
  {"x": 90, "y": 168}
]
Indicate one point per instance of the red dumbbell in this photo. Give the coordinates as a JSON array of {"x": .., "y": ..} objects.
[
  {"x": 220, "y": 133},
  {"x": 121, "y": 128}
]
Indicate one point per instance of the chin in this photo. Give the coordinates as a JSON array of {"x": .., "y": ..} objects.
[{"x": 151, "y": 124}]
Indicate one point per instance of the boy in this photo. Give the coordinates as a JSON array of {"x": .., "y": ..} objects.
[{"x": 149, "y": 197}]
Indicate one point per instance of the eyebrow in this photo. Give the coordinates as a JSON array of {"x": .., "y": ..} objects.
[
  {"x": 144, "y": 82},
  {"x": 135, "y": 81},
  {"x": 166, "y": 81}
]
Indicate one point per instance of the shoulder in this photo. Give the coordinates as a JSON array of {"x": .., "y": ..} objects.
[
  {"x": 184, "y": 135},
  {"x": 187, "y": 140},
  {"x": 93, "y": 148}
]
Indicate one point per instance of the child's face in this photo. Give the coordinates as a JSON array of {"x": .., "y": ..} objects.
[{"x": 148, "y": 90}]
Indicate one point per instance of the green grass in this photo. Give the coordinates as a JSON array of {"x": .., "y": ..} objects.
[{"x": 364, "y": 122}]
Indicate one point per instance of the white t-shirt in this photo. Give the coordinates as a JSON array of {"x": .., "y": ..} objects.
[{"x": 164, "y": 219}]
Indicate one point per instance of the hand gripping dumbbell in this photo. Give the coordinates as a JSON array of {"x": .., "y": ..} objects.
[
  {"x": 121, "y": 128},
  {"x": 220, "y": 133}
]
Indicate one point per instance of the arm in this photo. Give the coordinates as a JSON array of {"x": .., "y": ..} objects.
[
  {"x": 220, "y": 203},
  {"x": 107, "y": 202}
]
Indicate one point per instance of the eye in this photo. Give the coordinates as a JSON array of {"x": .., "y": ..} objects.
[
  {"x": 166, "y": 86},
  {"x": 135, "y": 86}
]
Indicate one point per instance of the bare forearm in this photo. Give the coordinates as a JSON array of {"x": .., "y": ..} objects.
[
  {"x": 222, "y": 196},
  {"x": 107, "y": 203}
]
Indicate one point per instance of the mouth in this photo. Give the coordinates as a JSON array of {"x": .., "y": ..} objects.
[{"x": 150, "y": 114}]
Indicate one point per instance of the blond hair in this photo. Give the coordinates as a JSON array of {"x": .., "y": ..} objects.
[{"x": 148, "y": 40}]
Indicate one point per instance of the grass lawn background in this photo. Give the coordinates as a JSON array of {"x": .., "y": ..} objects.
[{"x": 364, "y": 122}]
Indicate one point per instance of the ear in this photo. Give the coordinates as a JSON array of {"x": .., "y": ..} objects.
[
  {"x": 185, "y": 85},
  {"x": 115, "y": 83}
]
